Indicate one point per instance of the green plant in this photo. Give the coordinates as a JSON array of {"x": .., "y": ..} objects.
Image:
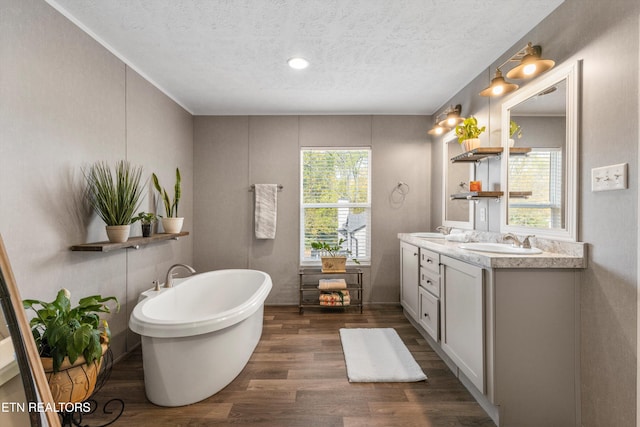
[
  {"x": 114, "y": 198},
  {"x": 469, "y": 129},
  {"x": 515, "y": 129},
  {"x": 333, "y": 250},
  {"x": 145, "y": 218},
  {"x": 170, "y": 208},
  {"x": 61, "y": 331}
]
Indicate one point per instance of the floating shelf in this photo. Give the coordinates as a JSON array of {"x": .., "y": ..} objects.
[
  {"x": 475, "y": 195},
  {"x": 133, "y": 242},
  {"x": 481, "y": 153}
]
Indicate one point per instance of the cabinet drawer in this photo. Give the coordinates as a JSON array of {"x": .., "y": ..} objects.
[
  {"x": 430, "y": 260},
  {"x": 430, "y": 281},
  {"x": 430, "y": 314}
]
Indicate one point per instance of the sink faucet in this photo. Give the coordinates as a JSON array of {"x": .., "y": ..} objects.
[
  {"x": 169, "y": 281},
  {"x": 444, "y": 230},
  {"x": 524, "y": 243}
]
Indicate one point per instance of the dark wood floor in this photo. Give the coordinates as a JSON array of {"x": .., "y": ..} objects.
[{"x": 297, "y": 377}]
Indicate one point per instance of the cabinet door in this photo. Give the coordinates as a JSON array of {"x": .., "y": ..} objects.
[
  {"x": 462, "y": 318},
  {"x": 429, "y": 314},
  {"x": 409, "y": 275}
]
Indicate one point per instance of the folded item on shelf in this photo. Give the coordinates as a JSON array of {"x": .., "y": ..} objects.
[
  {"x": 332, "y": 284},
  {"x": 334, "y": 303},
  {"x": 340, "y": 296}
]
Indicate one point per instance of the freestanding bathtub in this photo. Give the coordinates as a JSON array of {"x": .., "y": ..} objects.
[{"x": 198, "y": 335}]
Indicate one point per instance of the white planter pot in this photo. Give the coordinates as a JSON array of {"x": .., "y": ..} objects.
[
  {"x": 172, "y": 225},
  {"x": 118, "y": 233}
]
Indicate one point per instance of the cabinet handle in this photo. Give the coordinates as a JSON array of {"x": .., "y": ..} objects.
[
  {"x": 415, "y": 254},
  {"x": 427, "y": 315},
  {"x": 429, "y": 261},
  {"x": 429, "y": 282}
]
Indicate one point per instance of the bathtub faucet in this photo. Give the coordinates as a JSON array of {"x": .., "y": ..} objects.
[{"x": 169, "y": 281}]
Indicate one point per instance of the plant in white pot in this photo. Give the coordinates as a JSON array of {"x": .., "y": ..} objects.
[
  {"x": 468, "y": 133},
  {"x": 171, "y": 223},
  {"x": 115, "y": 198}
]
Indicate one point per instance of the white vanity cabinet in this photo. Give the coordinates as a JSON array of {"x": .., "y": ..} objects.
[
  {"x": 462, "y": 318},
  {"x": 507, "y": 326},
  {"x": 409, "y": 267}
]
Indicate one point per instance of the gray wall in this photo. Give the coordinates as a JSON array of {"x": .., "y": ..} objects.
[
  {"x": 66, "y": 102},
  {"x": 231, "y": 153},
  {"x": 605, "y": 35}
]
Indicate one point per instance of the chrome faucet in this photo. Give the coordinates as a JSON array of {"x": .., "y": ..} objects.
[
  {"x": 524, "y": 243},
  {"x": 169, "y": 280},
  {"x": 444, "y": 230}
]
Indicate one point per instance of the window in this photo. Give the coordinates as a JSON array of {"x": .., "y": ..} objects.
[
  {"x": 335, "y": 201},
  {"x": 541, "y": 172}
]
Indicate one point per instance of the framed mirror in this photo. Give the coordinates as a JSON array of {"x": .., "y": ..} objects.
[
  {"x": 456, "y": 213},
  {"x": 39, "y": 402},
  {"x": 541, "y": 185}
]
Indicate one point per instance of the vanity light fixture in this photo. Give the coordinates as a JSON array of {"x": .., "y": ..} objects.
[
  {"x": 531, "y": 65},
  {"x": 298, "y": 63},
  {"x": 437, "y": 129},
  {"x": 452, "y": 117},
  {"x": 499, "y": 86}
]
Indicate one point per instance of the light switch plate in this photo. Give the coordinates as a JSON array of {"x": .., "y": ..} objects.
[{"x": 612, "y": 177}]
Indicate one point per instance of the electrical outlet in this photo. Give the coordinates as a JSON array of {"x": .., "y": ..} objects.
[
  {"x": 606, "y": 178},
  {"x": 483, "y": 214}
]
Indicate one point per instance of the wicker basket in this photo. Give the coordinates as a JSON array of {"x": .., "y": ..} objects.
[
  {"x": 334, "y": 264},
  {"x": 73, "y": 382}
]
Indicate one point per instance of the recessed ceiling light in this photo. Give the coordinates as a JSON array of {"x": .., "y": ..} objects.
[{"x": 298, "y": 63}]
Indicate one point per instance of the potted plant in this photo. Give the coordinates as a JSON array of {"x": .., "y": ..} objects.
[
  {"x": 146, "y": 220},
  {"x": 171, "y": 223},
  {"x": 71, "y": 342},
  {"x": 115, "y": 198},
  {"x": 333, "y": 257},
  {"x": 515, "y": 131},
  {"x": 468, "y": 133}
]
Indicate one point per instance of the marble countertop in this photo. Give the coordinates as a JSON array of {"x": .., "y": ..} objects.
[{"x": 554, "y": 255}]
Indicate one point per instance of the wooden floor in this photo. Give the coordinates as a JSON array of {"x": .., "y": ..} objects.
[{"x": 297, "y": 377}]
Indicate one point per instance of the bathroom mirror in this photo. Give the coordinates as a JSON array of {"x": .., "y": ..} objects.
[
  {"x": 458, "y": 213},
  {"x": 541, "y": 185},
  {"x": 36, "y": 388}
]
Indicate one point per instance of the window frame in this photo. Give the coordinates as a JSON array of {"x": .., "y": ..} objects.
[{"x": 364, "y": 261}]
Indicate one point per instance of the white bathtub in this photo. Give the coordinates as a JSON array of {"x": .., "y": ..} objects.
[{"x": 199, "y": 335}]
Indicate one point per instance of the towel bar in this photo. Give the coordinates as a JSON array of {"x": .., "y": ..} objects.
[{"x": 253, "y": 187}]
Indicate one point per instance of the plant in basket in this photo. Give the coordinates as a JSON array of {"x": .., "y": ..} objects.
[
  {"x": 71, "y": 342},
  {"x": 334, "y": 257}
]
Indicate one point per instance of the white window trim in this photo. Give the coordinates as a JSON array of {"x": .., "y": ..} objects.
[{"x": 308, "y": 263}]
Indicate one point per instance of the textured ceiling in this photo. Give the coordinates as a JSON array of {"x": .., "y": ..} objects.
[{"x": 367, "y": 56}]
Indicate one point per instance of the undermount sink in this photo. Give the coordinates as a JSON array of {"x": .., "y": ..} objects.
[
  {"x": 428, "y": 235},
  {"x": 502, "y": 248}
]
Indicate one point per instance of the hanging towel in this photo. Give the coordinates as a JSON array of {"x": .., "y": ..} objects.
[{"x": 266, "y": 210}]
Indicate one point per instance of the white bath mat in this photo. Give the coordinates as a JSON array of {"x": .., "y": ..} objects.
[{"x": 378, "y": 355}]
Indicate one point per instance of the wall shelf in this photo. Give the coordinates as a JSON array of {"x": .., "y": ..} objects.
[
  {"x": 475, "y": 195},
  {"x": 132, "y": 243},
  {"x": 481, "y": 153}
]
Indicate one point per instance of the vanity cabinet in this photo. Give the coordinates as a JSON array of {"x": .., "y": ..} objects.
[
  {"x": 462, "y": 300},
  {"x": 507, "y": 326},
  {"x": 409, "y": 267}
]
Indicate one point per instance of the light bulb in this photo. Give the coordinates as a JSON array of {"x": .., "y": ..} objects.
[
  {"x": 497, "y": 90},
  {"x": 529, "y": 69}
]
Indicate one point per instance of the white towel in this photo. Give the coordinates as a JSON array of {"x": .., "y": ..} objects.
[{"x": 266, "y": 210}]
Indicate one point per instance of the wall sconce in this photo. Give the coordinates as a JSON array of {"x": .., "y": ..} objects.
[
  {"x": 531, "y": 65},
  {"x": 499, "y": 86},
  {"x": 452, "y": 118}
]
